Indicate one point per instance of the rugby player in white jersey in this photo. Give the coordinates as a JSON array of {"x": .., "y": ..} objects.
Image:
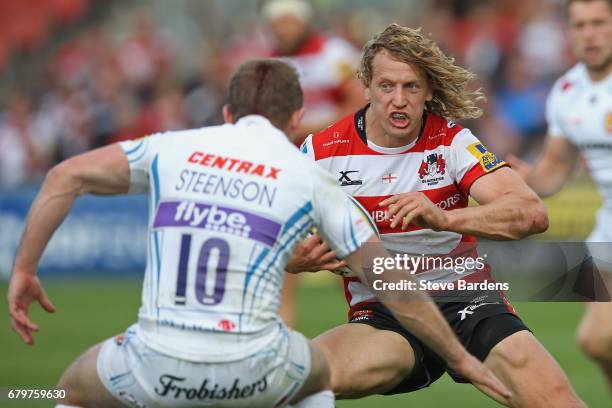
[
  {"x": 326, "y": 64},
  {"x": 414, "y": 171},
  {"x": 579, "y": 115},
  {"x": 227, "y": 206}
]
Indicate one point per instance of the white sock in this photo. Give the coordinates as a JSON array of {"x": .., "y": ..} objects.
[
  {"x": 65, "y": 406},
  {"x": 323, "y": 399}
]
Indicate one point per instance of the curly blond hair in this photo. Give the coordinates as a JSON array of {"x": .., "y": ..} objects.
[{"x": 451, "y": 97}]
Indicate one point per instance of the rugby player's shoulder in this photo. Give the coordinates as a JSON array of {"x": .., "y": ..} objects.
[
  {"x": 335, "y": 135},
  {"x": 440, "y": 131},
  {"x": 573, "y": 78}
]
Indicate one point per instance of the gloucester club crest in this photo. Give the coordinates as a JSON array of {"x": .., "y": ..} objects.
[{"x": 432, "y": 169}]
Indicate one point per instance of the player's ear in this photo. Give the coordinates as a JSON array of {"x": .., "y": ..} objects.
[
  {"x": 227, "y": 114},
  {"x": 296, "y": 120},
  {"x": 366, "y": 93}
]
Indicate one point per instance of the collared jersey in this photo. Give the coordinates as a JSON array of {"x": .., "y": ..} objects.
[
  {"x": 228, "y": 204},
  {"x": 442, "y": 164}
]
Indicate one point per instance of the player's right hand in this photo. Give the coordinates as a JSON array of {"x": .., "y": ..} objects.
[
  {"x": 313, "y": 255},
  {"x": 470, "y": 368},
  {"x": 520, "y": 166},
  {"x": 24, "y": 289}
]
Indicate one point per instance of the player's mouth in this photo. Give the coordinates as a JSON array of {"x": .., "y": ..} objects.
[
  {"x": 399, "y": 120},
  {"x": 592, "y": 51}
]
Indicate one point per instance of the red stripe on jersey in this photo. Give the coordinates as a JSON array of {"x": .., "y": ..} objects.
[
  {"x": 471, "y": 176},
  {"x": 447, "y": 198},
  {"x": 347, "y": 292}
]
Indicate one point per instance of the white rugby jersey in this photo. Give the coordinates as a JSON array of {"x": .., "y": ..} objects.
[
  {"x": 323, "y": 64},
  {"x": 228, "y": 204},
  {"x": 442, "y": 163},
  {"x": 580, "y": 111}
]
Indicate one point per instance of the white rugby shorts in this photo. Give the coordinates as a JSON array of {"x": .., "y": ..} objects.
[{"x": 141, "y": 377}]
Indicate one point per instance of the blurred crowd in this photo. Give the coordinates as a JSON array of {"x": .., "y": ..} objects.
[{"x": 100, "y": 88}]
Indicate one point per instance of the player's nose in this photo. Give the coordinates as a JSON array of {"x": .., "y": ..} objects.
[{"x": 399, "y": 99}]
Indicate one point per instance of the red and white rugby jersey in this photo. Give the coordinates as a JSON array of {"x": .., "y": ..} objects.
[
  {"x": 442, "y": 163},
  {"x": 323, "y": 64}
]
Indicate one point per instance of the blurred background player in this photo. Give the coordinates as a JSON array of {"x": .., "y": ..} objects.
[
  {"x": 223, "y": 346},
  {"x": 414, "y": 169},
  {"x": 579, "y": 114},
  {"x": 327, "y": 65}
]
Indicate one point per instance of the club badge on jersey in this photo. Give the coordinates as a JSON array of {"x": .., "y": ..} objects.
[{"x": 433, "y": 165}]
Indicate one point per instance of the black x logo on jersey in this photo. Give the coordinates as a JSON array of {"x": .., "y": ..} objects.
[{"x": 345, "y": 180}]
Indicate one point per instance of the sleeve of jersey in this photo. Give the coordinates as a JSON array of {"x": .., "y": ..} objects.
[
  {"x": 472, "y": 160},
  {"x": 306, "y": 148},
  {"x": 552, "y": 114},
  {"x": 139, "y": 154},
  {"x": 340, "y": 220}
]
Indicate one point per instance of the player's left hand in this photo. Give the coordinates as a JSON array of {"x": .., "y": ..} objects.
[
  {"x": 312, "y": 254},
  {"x": 416, "y": 208},
  {"x": 24, "y": 289}
]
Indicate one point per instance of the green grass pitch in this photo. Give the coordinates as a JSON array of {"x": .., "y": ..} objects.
[{"x": 91, "y": 311}]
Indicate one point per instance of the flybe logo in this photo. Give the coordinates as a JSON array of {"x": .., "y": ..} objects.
[
  {"x": 221, "y": 219},
  {"x": 211, "y": 218}
]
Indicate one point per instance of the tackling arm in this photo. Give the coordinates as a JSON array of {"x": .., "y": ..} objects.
[{"x": 508, "y": 209}]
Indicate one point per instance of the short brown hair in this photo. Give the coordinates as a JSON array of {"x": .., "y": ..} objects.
[
  {"x": 451, "y": 97},
  {"x": 266, "y": 87},
  {"x": 570, "y": 2}
]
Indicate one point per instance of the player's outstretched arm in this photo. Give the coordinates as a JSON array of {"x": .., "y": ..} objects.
[
  {"x": 552, "y": 170},
  {"x": 418, "y": 313},
  {"x": 508, "y": 209},
  {"x": 101, "y": 171}
]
